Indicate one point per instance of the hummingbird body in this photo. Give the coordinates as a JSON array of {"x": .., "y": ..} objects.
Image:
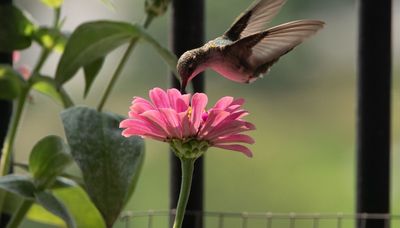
[{"x": 245, "y": 51}]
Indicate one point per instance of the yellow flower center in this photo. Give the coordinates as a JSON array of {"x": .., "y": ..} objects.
[{"x": 189, "y": 112}]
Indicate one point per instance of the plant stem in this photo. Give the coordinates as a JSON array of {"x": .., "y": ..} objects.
[
  {"x": 187, "y": 166},
  {"x": 10, "y": 138},
  {"x": 120, "y": 66},
  {"x": 116, "y": 74},
  {"x": 6, "y": 155},
  {"x": 5, "y": 162},
  {"x": 20, "y": 214},
  {"x": 42, "y": 59}
]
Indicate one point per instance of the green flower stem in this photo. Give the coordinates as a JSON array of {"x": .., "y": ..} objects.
[
  {"x": 19, "y": 215},
  {"x": 120, "y": 66},
  {"x": 187, "y": 166}
]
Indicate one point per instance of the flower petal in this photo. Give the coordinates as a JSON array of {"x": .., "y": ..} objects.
[
  {"x": 238, "y": 138},
  {"x": 159, "y": 98},
  {"x": 214, "y": 118},
  {"x": 136, "y": 132},
  {"x": 173, "y": 96},
  {"x": 239, "y": 101},
  {"x": 187, "y": 129},
  {"x": 154, "y": 118},
  {"x": 140, "y": 105},
  {"x": 223, "y": 102},
  {"x": 238, "y": 114},
  {"x": 199, "y": 102},
  {"x": 137, "y": 127},
  {"x": 226, "y": 128},
  {"x": 172, "y": 121},
  {"x": 236, "y": 147}
]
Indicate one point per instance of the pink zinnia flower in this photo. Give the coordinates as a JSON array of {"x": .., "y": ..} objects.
[{"x": 183, "y": 121}]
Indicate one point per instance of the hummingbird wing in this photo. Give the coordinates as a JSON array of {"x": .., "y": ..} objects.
[
  {"x": 265, "y": 48},
  {"x": 254, "y": 19}
]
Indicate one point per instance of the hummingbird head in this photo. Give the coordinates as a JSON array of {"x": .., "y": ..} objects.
[{"x": 188, "y": 66}]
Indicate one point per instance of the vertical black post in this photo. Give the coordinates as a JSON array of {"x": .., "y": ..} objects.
[
  {"x": 374, "y": 84},
  {"x": 5, "y": 114},
  {"x": 187, "y": 32}
]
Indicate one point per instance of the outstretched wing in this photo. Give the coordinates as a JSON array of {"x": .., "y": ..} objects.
[
  {"x": 266, "y": 47},
  {"x": 254, "y": 19}
]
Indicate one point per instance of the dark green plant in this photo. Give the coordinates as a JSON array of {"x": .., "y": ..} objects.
[{"x": 110, "y": 164}]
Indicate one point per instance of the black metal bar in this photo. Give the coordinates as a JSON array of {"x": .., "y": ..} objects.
[
  {"x": 374, "y": 84},
  {"x": 187, "y": 32},
  {"x": 5, "y": 116}
]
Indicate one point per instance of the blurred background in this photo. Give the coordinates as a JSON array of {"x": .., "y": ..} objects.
[{"x": 304, "y": 110}]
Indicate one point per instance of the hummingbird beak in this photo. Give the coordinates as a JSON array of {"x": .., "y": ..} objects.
[{"x": 183, "y": 86}]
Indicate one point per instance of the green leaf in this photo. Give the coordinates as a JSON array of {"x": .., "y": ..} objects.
[
  {"x": 91, "y": 70},
  {"x": 17, "y": 184},
  {"x": 82, "y": 209},
  {"x": 48, "y": 159},
  {"x": 62, "y": 182},
  {"x": 11, "y": 83},
  {"x": 15, "y": 29},
  {"x": 53, "y": 3},
  {"x": 110, "y": 163},
  {"x": 11, "y": 202},
  {"x": 167, "y": 55},
  {"x": 54, "y": 205},
  {"x": 50, "y": 38},
  {"x": 38, "y": 214},
  {"x": 47, "y": 86},
  {"x": 78, "y": 204},
  {"x": 89, "y": 42}
]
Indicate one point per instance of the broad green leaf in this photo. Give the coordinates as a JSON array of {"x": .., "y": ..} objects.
[
  {"x": 79, "y": 205},
  {"x": 50, "y": 38},
  {"x": 53, "y": 3},
  {"x": 47, "y": 86},
  {"x": 17, "y": 184},
  {"x": 91, "y": 70},
  {"x": 168, "y": 56},
  {"x": 66, "y": 179},
  {"x": 48, "y": 159},
  {"x": 81, "y": 208},
  {"x": 11, "y": 83},
  {"x": 15, "y": 29},
  {"x": 89, "y": 42},
  {"x": 110, "y": 163},
  {"x": 54, "y": 205},
  {"x": 39, "y": 214}
]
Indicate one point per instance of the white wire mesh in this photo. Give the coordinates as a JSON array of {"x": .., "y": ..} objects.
[{"x": 162, "y": 218}]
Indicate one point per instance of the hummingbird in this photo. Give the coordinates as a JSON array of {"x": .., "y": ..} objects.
[{"x": 247, "y": 50}]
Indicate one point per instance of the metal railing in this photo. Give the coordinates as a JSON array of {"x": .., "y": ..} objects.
[{"x": 162, "y": 218}]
